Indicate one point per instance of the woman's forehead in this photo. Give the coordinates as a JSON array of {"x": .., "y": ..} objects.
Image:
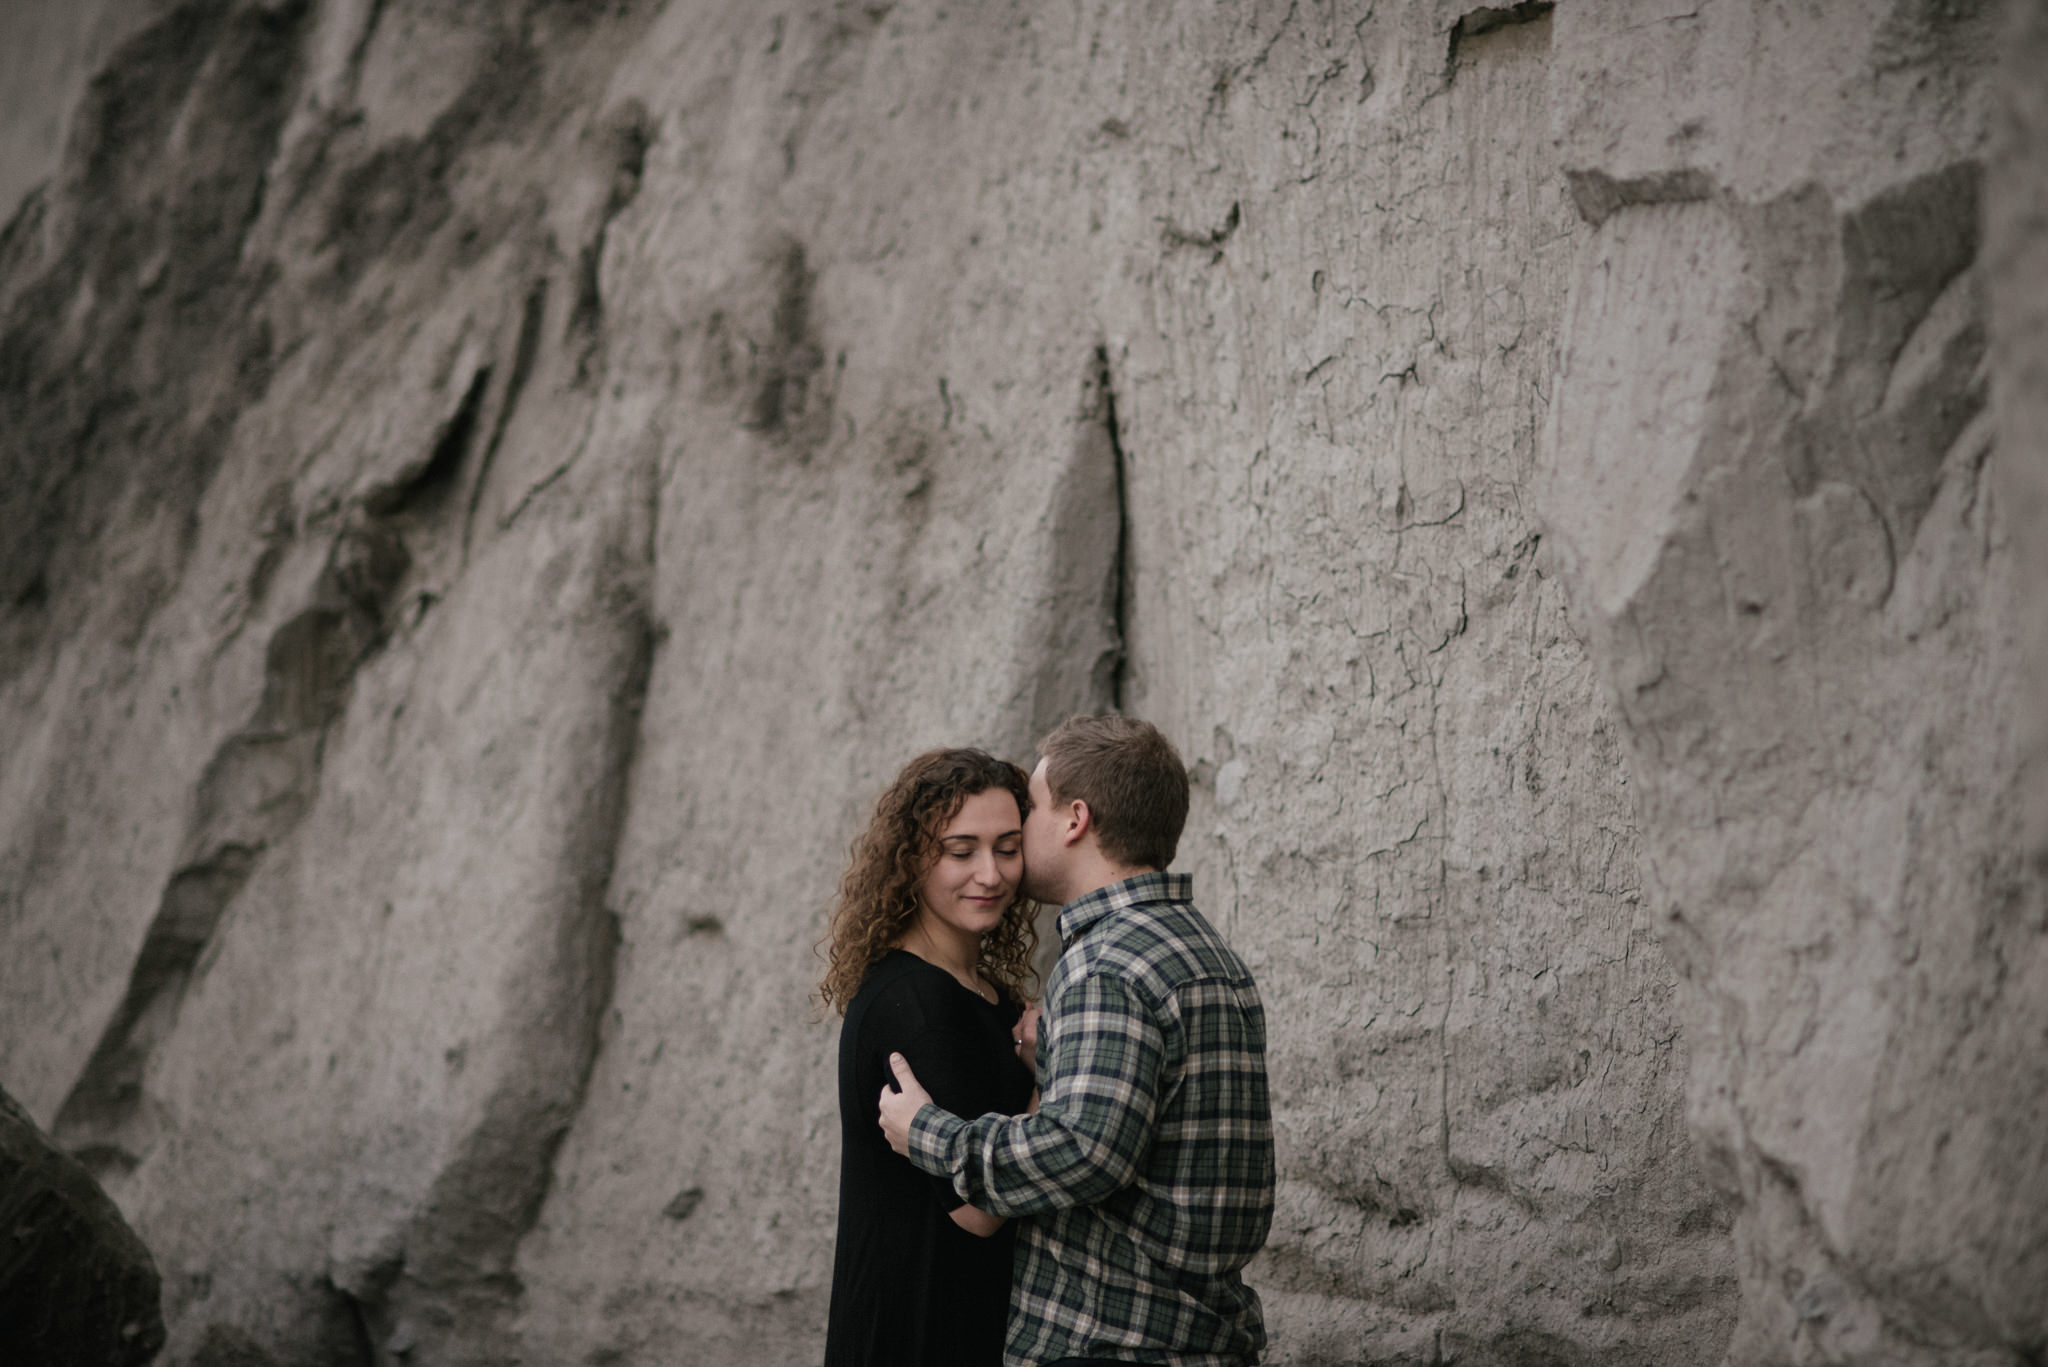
[{"x": 992, "y": 811}]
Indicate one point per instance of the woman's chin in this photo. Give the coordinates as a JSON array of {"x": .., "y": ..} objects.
[{"x": 983, "y": 919}]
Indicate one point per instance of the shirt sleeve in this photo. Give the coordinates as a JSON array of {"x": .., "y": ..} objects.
[{"x": 1108, "y": 1062}]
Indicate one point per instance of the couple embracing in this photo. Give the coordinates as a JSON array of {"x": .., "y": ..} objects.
[{"x": 1070, "y": 1187}]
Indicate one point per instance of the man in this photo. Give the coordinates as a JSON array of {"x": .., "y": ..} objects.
[{"x": 1147, "y": 1170}]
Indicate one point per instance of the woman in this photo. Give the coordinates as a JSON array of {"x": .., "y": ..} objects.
[{"x": 930, "y": 952}]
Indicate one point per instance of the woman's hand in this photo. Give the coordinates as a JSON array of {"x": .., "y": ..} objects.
[{"x": 1025, "y": 1037}]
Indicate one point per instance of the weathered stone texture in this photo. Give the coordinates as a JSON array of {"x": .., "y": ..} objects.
[
  {"x": 498, "y": 487},
  {"x": 2016, "y": 274},
  {"x": 1771, "y": 480}
]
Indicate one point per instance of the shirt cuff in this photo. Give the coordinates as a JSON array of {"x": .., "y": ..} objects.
[{"x": 932, "y": 1136}]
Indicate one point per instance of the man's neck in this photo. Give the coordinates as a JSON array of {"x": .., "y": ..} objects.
[{"x": 1098, "y": 876}]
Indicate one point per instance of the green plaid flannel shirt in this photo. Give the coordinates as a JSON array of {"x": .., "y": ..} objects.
[{"x": 1148, "y": 1170}]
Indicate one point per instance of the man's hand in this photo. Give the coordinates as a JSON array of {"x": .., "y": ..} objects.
[{"x": 900, "y": 1108}]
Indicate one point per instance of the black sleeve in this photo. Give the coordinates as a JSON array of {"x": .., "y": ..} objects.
[
  {"x": 952, "y": 1060},
  {"x": 958, "y": 1070}
]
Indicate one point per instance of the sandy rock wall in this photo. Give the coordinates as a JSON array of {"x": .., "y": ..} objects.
[
  {"x": 499, "y": 487},
  {"x": 2016, "y": 266},
  {"x": 1774, "y": 486}
]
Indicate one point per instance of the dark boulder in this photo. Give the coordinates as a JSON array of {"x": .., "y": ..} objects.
[{"x": 77, "y": 1287}]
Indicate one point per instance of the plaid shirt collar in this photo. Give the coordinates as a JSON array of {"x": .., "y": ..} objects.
[{"x": 1157, "y": 886}]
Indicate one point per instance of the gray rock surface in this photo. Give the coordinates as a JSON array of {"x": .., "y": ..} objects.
[
  {"x": 1773, "y": 488},
  {"x": 2016, "y": 267},
  {"x": 495, "y": 489}
]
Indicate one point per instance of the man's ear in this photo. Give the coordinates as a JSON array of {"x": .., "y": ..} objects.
[{"x": 1080, "y": 822}]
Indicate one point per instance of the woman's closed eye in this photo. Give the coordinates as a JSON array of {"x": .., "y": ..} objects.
[{"x": 970, "y": 851}]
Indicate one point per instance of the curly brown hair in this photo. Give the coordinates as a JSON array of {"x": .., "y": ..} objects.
[{"x": 878, "y": 896}]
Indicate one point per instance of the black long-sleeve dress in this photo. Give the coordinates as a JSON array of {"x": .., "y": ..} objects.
[{"x": 909, "y": 1287}]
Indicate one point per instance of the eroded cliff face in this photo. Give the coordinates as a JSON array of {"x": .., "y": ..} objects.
[
  {"x": 497, "y": 489},
  {"x": 1772, "y": 480}
]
